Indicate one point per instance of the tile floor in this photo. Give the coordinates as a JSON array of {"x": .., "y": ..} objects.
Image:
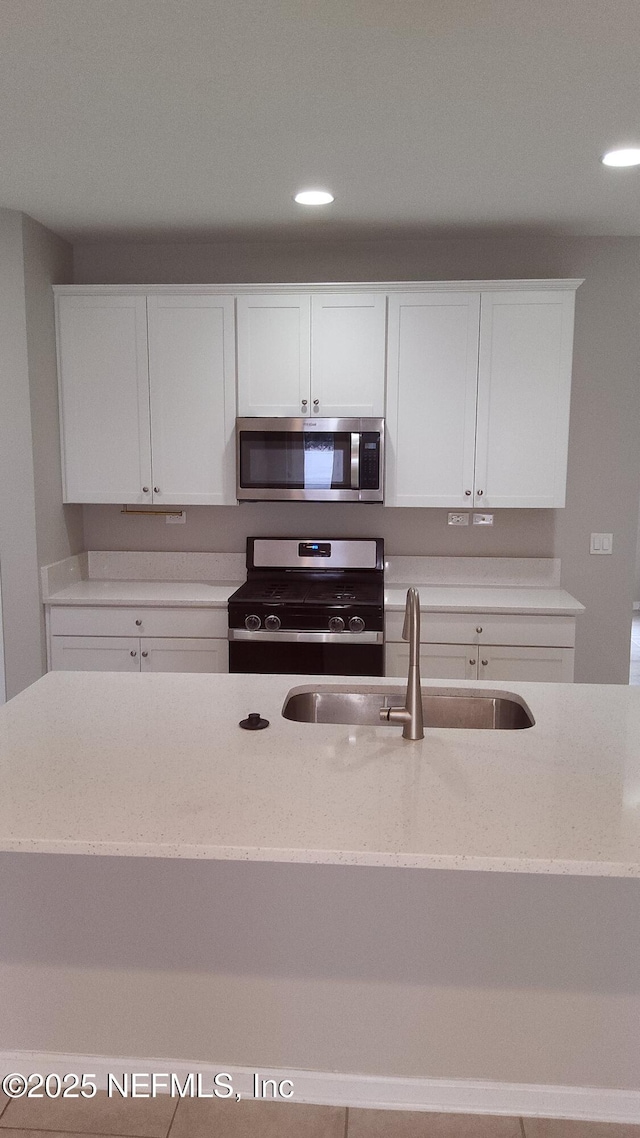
[
  {"x": 163, "y": 1117},
  {"x": 634, "y": 664}
]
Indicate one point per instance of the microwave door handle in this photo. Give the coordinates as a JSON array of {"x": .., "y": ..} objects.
[{"x": 355, "y": 460}]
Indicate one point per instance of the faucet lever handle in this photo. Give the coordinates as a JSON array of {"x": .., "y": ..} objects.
[{"x": 413, "y": 604}]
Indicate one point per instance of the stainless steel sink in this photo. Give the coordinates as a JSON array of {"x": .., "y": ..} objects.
[{"x": 461, "y": 708}]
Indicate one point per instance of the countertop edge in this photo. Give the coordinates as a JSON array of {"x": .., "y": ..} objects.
[{"x": 549, "y": 867}]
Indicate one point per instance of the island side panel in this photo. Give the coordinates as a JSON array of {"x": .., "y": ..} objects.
[{"x": 421, "y": 973}]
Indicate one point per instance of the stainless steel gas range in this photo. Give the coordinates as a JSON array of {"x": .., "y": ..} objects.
[{"x": 310, "y": 606}]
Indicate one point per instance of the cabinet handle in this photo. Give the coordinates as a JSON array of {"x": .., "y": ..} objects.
[
  {"x": 304, "y": 403},
  {"x": 484, "y": 663},
  {"x": 138, "y": 622},
  {"x": 468, "y": 493},
  {"x": 156, "y": 490},
  {"x": 479, "y": 493},
  {"x": 145, "y": 654},
  {"x": 133, "y": 653},
  {"x": 472, "y": 661},
  {"x": 478, "y": 627},
  {"x": 145, "y": 489},
  {"x": 316, "y": 403}
]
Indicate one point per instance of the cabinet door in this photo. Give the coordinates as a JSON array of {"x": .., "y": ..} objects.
[
  {"x": 524, "y": 386},
  {"x": 347, "y": 354},
  {"x": 164, "y": 654},
  {"x": 104, "y": 398},
  {"x": 431, "y": 398},
  {"x": 437, "y": 661},
  {"x": 274, "y": 354},
  {"x": 191, "y": 380},
  {"x": 548, "y": 665},
  {"x": 95, "y": 654}
]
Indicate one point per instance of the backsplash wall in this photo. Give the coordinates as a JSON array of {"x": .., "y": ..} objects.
[{"x": 224, "y": 529}]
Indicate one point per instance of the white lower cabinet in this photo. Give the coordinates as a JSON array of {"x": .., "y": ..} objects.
[
  {"x": 437, "y": 661},
  {"x": 486, "y": 647},
  {"x": 89, "y": 639},
  {"x": 163, "y": 654},
  {"x": 94, "y": 654}
]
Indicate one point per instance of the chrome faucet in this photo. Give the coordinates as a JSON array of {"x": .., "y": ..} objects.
[{"x": 411, "y": 714}]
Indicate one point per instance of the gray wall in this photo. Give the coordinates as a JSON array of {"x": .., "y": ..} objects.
[
  {"x": 604, "y": 467},
  {"x": 18, "y": 553},
  {"x": 34, "y": 529},
  {"x": 48, "y": 260}
]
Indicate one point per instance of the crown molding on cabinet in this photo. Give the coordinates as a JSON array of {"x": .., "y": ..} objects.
[{"x": 317, "y": 287}]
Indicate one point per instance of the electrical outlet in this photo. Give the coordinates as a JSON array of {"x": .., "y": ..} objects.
[
  {"x": 177, "y": 519},
  {"x": 483, "y": 519},
  {"x": 457, "y": 519},
  {"x": 601, "y": 543}
]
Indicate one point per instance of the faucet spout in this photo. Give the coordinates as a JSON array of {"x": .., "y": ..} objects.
[{"x": 411, "y": 714}]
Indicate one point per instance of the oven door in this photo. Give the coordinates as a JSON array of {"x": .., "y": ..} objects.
[
  {"x": 306, "y": 460},
  {"x": 307, "y": 653}
]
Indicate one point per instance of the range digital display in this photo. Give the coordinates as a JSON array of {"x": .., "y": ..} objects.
[{"x": 314, "y": 549}]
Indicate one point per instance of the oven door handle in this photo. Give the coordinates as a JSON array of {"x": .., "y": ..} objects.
[
  {"x": 346, "y": 638},
  {"x": 355, "y": 460}
]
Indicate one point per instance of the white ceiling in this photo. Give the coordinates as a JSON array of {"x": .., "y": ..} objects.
[{"x": 203, "y": 117}]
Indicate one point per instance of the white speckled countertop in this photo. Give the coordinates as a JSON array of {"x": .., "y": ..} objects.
[
  {"x": 486, "y": 599},
  {"x": 155, "y": 765},
  {"x": 183, "y": 594},
  {"x": 525, "y": 586}
]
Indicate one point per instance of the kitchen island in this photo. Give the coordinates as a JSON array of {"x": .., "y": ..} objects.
[
  {"x": 156, "y": 765},
  {"x": 283, "y": 900}
]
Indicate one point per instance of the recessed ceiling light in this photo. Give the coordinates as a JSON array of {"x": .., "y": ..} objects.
[
  {"x": 313, "y": 197},
  {"x": 628, "y": 157}
]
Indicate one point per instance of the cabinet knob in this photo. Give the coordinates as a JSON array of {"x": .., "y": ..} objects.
[
  {"x": 472, "y": 661},
  {"x": 145, "y": 489},
  {"x": 478, "y": 627},
  {"x": 316, "y": 403},
  {"x": 468, "y": 493},
  {"x": 138, "y": 622},
  {"x": 133, "y": 653},
  {"x": 479, "y": 493},
  {"x": 145, "y": 654},
  {"x": 156, "y": 490},
  {"x": 304, "y": 402},
  {"x": 484, "y": 663}
]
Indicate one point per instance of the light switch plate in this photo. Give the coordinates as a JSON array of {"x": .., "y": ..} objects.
[
  {"x": 457, "y": 519},
  {"x": 483, "y": 519},
  {"x": 177, "y": 519},
  {"x": 601, "y": 543}
]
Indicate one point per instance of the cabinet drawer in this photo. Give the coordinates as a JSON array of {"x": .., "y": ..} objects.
[
  {"x": 101, "y": 620},
  {"x": 462, "y": 628}
]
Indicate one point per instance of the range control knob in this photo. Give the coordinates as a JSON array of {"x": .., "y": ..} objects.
[
  {"x": 252, "y": 622},
  {"x": 356, "y": 624},
  {"x": 272, "y": 623},
  {"x": 336, "y": 624}
]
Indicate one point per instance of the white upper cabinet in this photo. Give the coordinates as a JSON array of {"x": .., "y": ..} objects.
[
  {"x": 274, "y": 345},
  {"x": 477, "y": 377},
  {"x": 524, "y": 388},
  {"x": 320, "y": 354},
  {"x": 147, "y": 398},
  {"x": 479, "y": 386},
  {"x": 347, "y": 355},
  {"x": 191, "y": 384},
  {"x": 104, "y": 398},
  {"x": 431, "y": 400}
]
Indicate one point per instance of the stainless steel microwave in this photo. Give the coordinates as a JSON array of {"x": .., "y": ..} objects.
[{"x": 310, "y": 460}]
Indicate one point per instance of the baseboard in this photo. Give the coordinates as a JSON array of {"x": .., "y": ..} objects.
[{"x": 466, "y": 1096}]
